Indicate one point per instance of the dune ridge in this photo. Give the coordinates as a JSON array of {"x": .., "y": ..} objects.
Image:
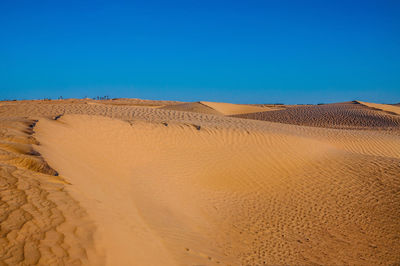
[
  {"x": 384, "y": 107},
  {"x": 235, "y": 109},
  {"x": 197, "y": 107},
  {"x": 218, "y": 108},
  {"x": 39, "y": 222}
]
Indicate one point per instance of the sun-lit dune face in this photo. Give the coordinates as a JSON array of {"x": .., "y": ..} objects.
[
  {"x": 198, "y": 188},
  {"x": 217, "y": 108},
  {"x": 351, "y": 115},
  {"x": 197, "y": 107},
  {"x": 198, "y": 195},
  {"x": 393, "y": 109},
  {"x": 235, "y": 109}
]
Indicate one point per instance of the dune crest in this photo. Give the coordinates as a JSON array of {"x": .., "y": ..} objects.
[
  {"x": 384, "y": 107},
  {"x": 235, "y": 109},
  {"x": 197, "y": 107},
  {"x": 218, "y": 108},
  {"x": 40, "y": 223}
]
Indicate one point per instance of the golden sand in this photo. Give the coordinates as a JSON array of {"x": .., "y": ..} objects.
[{"x": 92, "y": 183}]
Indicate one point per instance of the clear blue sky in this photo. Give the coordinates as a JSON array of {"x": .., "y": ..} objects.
[{"x": 234, "y": 51}]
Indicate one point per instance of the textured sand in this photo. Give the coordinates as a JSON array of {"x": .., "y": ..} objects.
[
  {"x": 94, "y": 183},
  {"x": 348, "y": 115},
  {"x": 40, "y": 223}
]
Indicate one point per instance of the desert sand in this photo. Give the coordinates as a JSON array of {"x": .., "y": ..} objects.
[{"x": 135, "y": 182}]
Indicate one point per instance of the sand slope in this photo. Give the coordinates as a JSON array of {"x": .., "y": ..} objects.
[
  {"x": 234, "y": 109},
  {"x": 197, "y": 107},
  {"x": 202, "y": 189},
  {"x": 349, "y": 115},
  {"x": 217, "y": 108},
  {"x": 384, "y": 107},
  {"x": 222, "y": 195}
]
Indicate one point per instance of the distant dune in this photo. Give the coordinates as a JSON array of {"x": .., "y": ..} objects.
[
  {"x": 217, "y": 108},
  {"x": 350, "y": 115},
  {"x": 384, "y": 107},
  {"x": 197, "y": 107},
  {"x": 166, "y": 183},
  {"x": 234, "y": 109}
]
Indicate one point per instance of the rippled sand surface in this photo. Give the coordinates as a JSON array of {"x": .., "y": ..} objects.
[{"x": 134, "y": 182}]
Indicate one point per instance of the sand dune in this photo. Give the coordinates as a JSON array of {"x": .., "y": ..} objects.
[
  {"x": 234, "y": 109},
  {"x": 349, "y": 115},
  {"x": 199, "y": 188},
  {"x": 132, "y": 102},
  {"x": 384, "y": 107},
  {"x": 217, "y": 108},
  {"x": 197, "y": 107}
]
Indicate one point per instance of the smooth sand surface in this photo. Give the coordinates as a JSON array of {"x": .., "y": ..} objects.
[
  {"x": 235, "y": 109},
  {"x": 217, "y": 108},
  {"x": 106, "y": 184},
  {"x": 197, "y": 107},
  {"x": 384, "y": 107}
]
